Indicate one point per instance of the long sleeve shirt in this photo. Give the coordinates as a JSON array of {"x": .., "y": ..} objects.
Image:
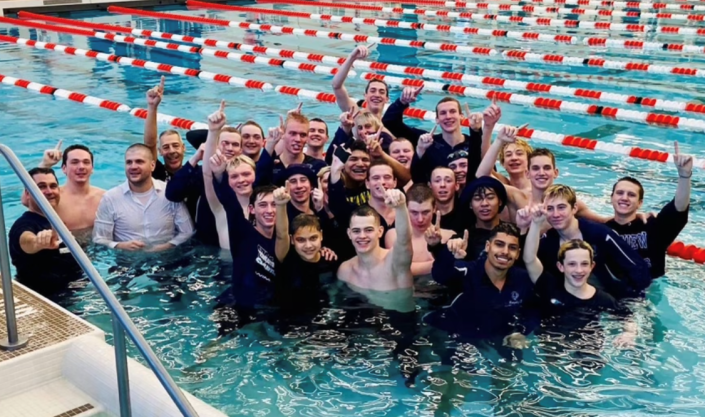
[
  {"x": 188, "y": 185},
  {"x": 122, "y": 217}
]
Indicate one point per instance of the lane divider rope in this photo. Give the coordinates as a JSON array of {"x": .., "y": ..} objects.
[
  {"x": 510, "y": 55},
  {"x": 496, "y": 82},
  {"x": 590, "y": 3}
]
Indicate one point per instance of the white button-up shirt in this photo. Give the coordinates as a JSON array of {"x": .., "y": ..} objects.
[{"x": 122, "y": 217}]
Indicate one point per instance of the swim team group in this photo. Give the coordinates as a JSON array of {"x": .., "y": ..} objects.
[{"x": 381, "y": 206}]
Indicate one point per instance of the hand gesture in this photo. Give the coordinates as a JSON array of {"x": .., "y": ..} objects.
[
  {"x": 297, "y": 110},
  {"x": 374, "y": 147},
  {"x": 154, "y": 95},
  {"x": 684, "y": 163},
  {"x": 132, "y": 245},
  {"x": 281, "y": 196},
  {"x": 538, "y": 214},
  {"x": 410, "y": 94},
  {"x": 459, "y": 247},
  {"x": 360, "y": 52},
  {"x": 217, "y": 119},
  {"x": 198, "y": 156},
  {"x": 218, "y": 163},
  {"x": 425, "y": 142},
  {"x": 492, "y": 114},
  {"x": 347, "y": 118},
  {"x": 508, "y": 134},
  {"x": 47, "y": 239},
  {"x": 394, "y": 198},
  {"x": 274, "y": 135},
  {"x": 433, "y": 233},
  {"x": 328, "y": 255},
  {"x": 523, "y": 218},
  {"x": 318, "y": 197},
  {"x": 52, "y": 156}
]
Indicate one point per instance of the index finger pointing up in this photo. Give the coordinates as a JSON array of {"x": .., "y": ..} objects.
[
  {"x": 438, "y": 220},
  {"x": 434, "y": 129},
  {"x": 675, "y": 143},
  {"x": 58, "y": 145},
  {"x": 222, "y": 106},
  {"x": 161, "y": 83},
  {"x": 418, "y": 90}
]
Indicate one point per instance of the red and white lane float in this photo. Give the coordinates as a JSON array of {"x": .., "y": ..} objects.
[{"x": 510, "y": 55}]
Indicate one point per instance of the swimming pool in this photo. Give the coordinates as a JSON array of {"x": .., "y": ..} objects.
[{"x": 342, "y": 362}]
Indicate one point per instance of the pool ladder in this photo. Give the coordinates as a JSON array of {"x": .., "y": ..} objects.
[{"x": 121, "y": 321}]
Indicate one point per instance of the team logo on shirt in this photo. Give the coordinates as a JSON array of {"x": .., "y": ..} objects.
[
  {"x": 515, "y": 299},
  {"x": 265, "y": 260}
]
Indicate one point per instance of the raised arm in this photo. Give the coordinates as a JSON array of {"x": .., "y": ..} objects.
[
  {"x": 151, "y": 131},
  {"x": 393, "y": 118},
  {"x": 345, "y": 103},
  {"x": 490, "y": 117},
  {"x": 51, "y": 156},
  {"x": 402, "y": 251},
  {"x": 281, "y": 227},
  {"x": 374, "y": 147},
  {"x": 684, "y": 163},
  {"x": 531, "y": 246}
]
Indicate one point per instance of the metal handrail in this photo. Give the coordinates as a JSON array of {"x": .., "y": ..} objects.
[{"x": 119, "y": 315}]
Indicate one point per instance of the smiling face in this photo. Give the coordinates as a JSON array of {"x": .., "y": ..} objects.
[
  {"x": 365, "y": 233},
  {"x": 502, "y": 251},
  {"x": 443, "y": 185},
  {"x": 264, "y": 210},
  {"x": 380, "y": 180},
  {"x": 307, "y": 243},
  {"x": 241, "y": 178},
  {"x": 79, "y": 166},
  {"x": 230, "y": 144},
  {"x": 357, "y": 165},
  {"x": 317, "y": 134},
  {"x": 576, "y": 267},
  {"x": 402, "y": 151},
  {"x": 559, "y": 212},
  {"x": 172, "y": 149},
  {"x": 138, "y": 165},
  {"x": 485, "y": 204},
  {"x": 376, "y": 96},
  {"x": 295, "y": 135},
  {"x": 542, "y": 173},
  {"x": 299, "y": 188},
  {"x": 448, "y": 116},
  {"x": 252, "y": 140},
  {"x": 515, "y": 159},
  {"x": 625, "y": 198},
  {"x": 49, "y": 186},
  {"x": 460, "y": 169}
]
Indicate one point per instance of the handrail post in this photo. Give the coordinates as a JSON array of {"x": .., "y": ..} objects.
[
  {"x": 13, "y": 341},
  {"x": 123, "y": 377}
]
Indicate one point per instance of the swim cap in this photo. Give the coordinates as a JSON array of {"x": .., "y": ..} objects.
[
  {"x": 294, "y": 169},
  {"x": 484, "y": 182}
]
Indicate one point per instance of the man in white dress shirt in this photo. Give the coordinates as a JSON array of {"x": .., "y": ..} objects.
[{"x": 136, "y": 215}]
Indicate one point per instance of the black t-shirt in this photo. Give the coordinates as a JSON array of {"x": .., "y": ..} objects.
[
  {"x": 556, "y": 300},
  {"x": 47, "y": 271},
  {"x": 299, "y": 283},
  {"x": 651, "y": 240},
  {"x": 160, "y": 173}
]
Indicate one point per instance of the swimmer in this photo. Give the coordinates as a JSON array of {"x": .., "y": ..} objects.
[
  {"x": 421, "y": 205},
  {"x": 444, "y": 186},
  {"x": 317, "y": 138},
  {"x": 618, "y": 268},
  {"x": 252, "y": 139},
  {"x": 402, "y": 151},
  {"x": 373, "y": 267},
  {"x": 513, "y": 155},
  {"x": 79, "y": 199},
  {"x": 376, "y": 92},
  {"x": 170, "y": 145},
  {"x": 652, "y": 239},
  {"x": 348, "y": 172}
]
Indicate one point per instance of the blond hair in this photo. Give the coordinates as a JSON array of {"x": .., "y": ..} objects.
[
  {"x": 322, "y": 173},
  {"x": 573, "y": 245},
  {"x": 295, "y": 117},
  {"x": 365, "y": 116},
  {"x": 239, "y": 160},
  {"x": 521, "y": 144},
  {"x": 561, "y": 191},
  {"x": 228, "y": 129}
]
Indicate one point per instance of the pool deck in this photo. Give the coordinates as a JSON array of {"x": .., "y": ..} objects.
[{"x": 10, "y": 7}]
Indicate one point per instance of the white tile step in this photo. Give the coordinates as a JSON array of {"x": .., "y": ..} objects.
[{"x": 57, "y": 398}]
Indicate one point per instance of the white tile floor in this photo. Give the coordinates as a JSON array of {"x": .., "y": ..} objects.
[{"x": 47, "y": 400}]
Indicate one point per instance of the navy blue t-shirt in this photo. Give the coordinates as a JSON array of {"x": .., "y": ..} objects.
[
  {"x": 252, "y": 253},
  {"x": 480, "y": 309},
  {"x": 48, "y": 271},
  {"x": 651, "y": 240}
]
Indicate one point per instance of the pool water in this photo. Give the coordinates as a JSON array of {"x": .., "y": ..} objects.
[{"x": 353, "y": 358}]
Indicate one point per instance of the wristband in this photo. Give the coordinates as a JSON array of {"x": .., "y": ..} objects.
[{"x": 688, "y": 177}]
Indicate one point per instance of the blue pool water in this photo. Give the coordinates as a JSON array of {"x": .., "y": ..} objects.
[{"x": 343, "y": 361}]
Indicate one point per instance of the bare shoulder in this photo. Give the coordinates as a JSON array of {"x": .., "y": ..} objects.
[{"x": 345, "y": 270}]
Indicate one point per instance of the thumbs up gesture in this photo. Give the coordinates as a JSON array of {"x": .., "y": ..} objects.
[{"x": 459, "y": 247}]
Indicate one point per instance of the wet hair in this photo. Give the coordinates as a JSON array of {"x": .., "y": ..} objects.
[
  {"x": 141, "y": 146},
  {"x": 239, "y": 160},
  {"x": 506, "y": 228},
  {"x": 633, "y": 181},
  {"x": 444, "y": 168},
  {"x": 366, "y": 211},
  {"x": 295, "y": 117},
  {"x": 65, "y": 156},
  {"x": 573, "y": 245},
  {"x": 228, "y": 129},
  {"x": 42, "y": 170},
  {"x": 304, "y": 220},
  {"x": 377, "y": 80},
  {"x": 319, "y": 120},
  {"x": 520, "y": 143},
  {"x": 262, "y": 190},
  {"x": 365, "y": 116},
  {"x": 377, "y": 163},
  {"x": 420, "y": 193},
  {"x": 542, "y": 152},
  {"x": 252, "y": 123},
  {"x": 561, "y": 191},
  {"x": 170, "y": 132},
  {"x": 448, "y": 100}
]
